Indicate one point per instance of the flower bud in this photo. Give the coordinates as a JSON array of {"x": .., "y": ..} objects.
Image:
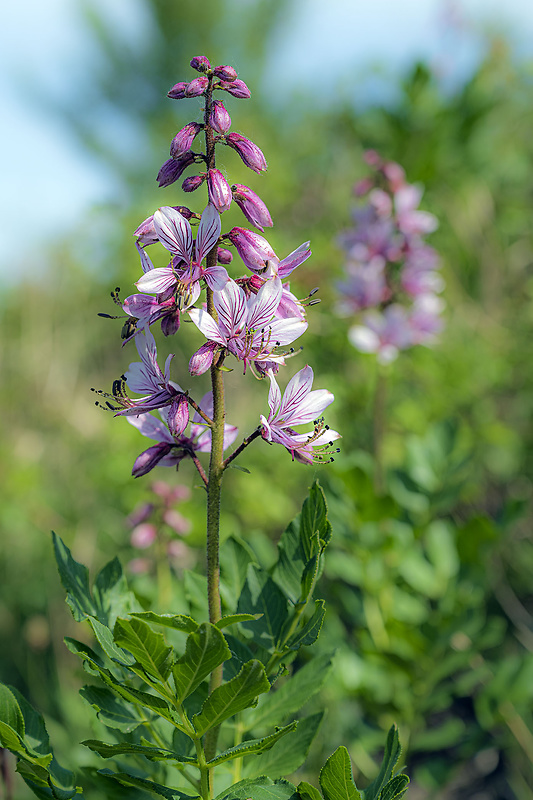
[
  {"x": 254, "y": 250},
  {"x": 197, "y": 86},
  {"x": 142, "y": 536},
  {"x": 170, "y": 323},
  {"x": 178, "y": 91},
  {"x": 225, "y": 73},
  {"x": 203, "y": 358},
  {"x": 183, "y": 140},
  {"x": 363, "y": 186},
  {"x": 177, "y": 522},
  {"x": 192, "y": 183},
  {"x": 150, "y": 458},
  {"x": 237, "y": 88},
  {"x": 200, "y": 63},
  {"x": 178, "y": 415},
  {"x": 146, "y": 231},
  {"x": 395, "y": 174},
  {"x": 224, "y": 256},
  {"x": 174, "y": 168},
  {"x": 219, "y": 118},
  {"x": 219, "y": 190},
  {"x": 248, "y": 151},
  {"x": 140, "y": 514},
  {"x": 251, "y": 206},
  {"x": 373, "y": 158}
]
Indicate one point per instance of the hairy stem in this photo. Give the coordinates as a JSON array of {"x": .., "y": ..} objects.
[{"x": 245, "y": 442}]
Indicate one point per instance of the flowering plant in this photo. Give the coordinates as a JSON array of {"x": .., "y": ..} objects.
[{"x": 207, "y": 710}]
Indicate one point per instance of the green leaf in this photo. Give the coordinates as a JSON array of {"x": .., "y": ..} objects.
[
  {"x": 395, "y": 788},
  {"x": 13, "y": 741},
  {"x": 252, "y": 746},
  {"x": 311, "y": 630},
  {"x": 205, "y": 650},
  {"x": 310, "y": 574},
  {"x": 262, "y": 788},
  {"x": 291, "y": 561},
  {"x": 111, "y": 710},
  {"x": 145, "y": 785},
  {"x": 75, "y": 580},
  {"x": 195, "y": 586},
  {"x": 390, "y": 759},
  {"x": 308, "y": 792},
  {"x": 235, "y": 556},
  {"x": 336, "y": 779},
  {"x": 314, "y": 520},
  {"x": 126, "y": 748},
  {"x": 180, "y": 622},
  {"x": 287, "y": 756},
  {"x": 232, "y": 697},
  {"x": 262, "y": 596},
  {"x": 106, "y": 642},
  {"x": 148, "y": 647},
  {"x": 10, "y": 712},
  {"x": 111, "y": 594},
  {"x": 292, "y": 695},
  {"x": 231, "y": 619},
  {"x": 240, "y": 654}
]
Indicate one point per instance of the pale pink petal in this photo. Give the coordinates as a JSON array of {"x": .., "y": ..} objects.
[
  {"x": 365, "y": 339},
  {"x": 207, "y": 325},
  {"x": 151, "y": 427},
  {"x": 407, "y": 198},
  {"x": 230, "y": 304},
  {"x": 157, "y": 280},
  {"x": 285, "y": 331},
  {"x": 274, "y": 395},
  {"x": 146, "y": 263},
  {"x": 216, "y": 278},
  {"x": 174, "y": 232},
  {"x": 310, "y": 408},
  {"x": 294, "y": 260},
  {"x": 297, "y": 389},
  {"x": 263, "y": 306},
  {"x": 208, "y": 232}
]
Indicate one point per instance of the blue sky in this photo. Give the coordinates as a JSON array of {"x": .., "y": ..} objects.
[{"x": 44, "y": 44}]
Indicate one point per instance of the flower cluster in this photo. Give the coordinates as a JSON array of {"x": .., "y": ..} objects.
[
  {"x": 254, "y": 318},
  {"x": 391, "y": 272}
]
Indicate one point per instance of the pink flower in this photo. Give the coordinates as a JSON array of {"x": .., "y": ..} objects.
[
  {"x": 299, "y": 406},
  {"x": 385, "y": 334}
]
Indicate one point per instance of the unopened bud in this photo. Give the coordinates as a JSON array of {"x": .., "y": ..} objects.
[
  {"x": 395, "y": 174},
  {"x": 254, "y": 250},
  {"x": 170, "y": 324},
  {"x": 363, "y": 186},
  {"x": 248, "y": 151},
  {"x": 219, "y": 190},
  {"x": 150, "y": 459},
  {"x": 201, "y": 361},
  {"x": 178, "y": 415},
  {"x": 225, "y": 73},
  {"x": 178, "y": 91},
  {"x": 200, "y": 63},
  {"x": 183, "y": 140},
  {"x": 224, "y": 256},
  {"x": 174, "y": 168},
  {"x": 192, "y": 183},
  {"x": 197, "y": 86},
  {"x": 237, "y": 88},
  {"x": 219, "y": 118},
  {"x": 251, "y": 206},
  {"x": 142, "y": 536},
  {"x": 373, "y": 158}
]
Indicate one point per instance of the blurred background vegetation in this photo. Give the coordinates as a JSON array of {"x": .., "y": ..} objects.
[{"x": 428, "y": 585}]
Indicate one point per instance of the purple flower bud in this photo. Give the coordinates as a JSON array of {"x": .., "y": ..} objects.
[
  {"x": 248, "y": 151},
  {"x": 177, "y": 522},
  {"x": 183, "y": 140},
  {"x": 143, "y": 535},
  {"x": 150, "y": 458},
  {"x": 224, "y": 256},
  {"x": 192, "y": 183},
  {"x": 146, "y": 231},
  {"x": 203, "y": 358},
  {"x": 237, "y": 88},
  {"x": 254, "y": 250},
  {"x": 178, "y": 91},
  {"x": 251, "y": 206},
  {"x": 219, "y": 118},
  {"x": 174, "y": 168},
  {"x": 140, "y": 514},
  {"x": 219, "y": 190},
  {"x": 197, "y": 86},
  {"x": 225, "y": 73},
  {"x": 363, "y": 186},
  {"x": 170, "y": 323},
  {"x": 178, "y": 415},
  {"x": 200, "y": 63}
]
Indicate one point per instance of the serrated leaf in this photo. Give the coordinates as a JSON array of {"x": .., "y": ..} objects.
[
  {"x": 261, "y": 595},
  {"x": 107, "y": 643},
  {"x": 112, "y": 597},
  {"x": 292, "y": 695},
  {"x": 180, "y": 622},
  {"x": 308, "y": 792},
  {"x": 235, "y": 556},
  {"x": 146, "y": 785},
  {"x": 148, "y": 647},
  {"x": 336, "y": 778},
  {"x": 232, "y": 697},
  {"x": 395, "y": 788},
  {"x": 262, "y": 788},
  {"x": 390, "y": 759},
  {"x": 126, "y": 748},
  {"x": 314, "y": 520},
  {"x": 253, "y": 746},
  {"x": 291, "y": 561},
  {"x": 240, "y": 654},
  {"x": 310, "y": 575},
  {"x": 309, "y": 633},
  {"x": 205, "y": 650},
  {"x": 232, "y": 619},
  {"x": 13, "y": 741},
  {"x": 112, "y": 711},
  {"x": 287, "y": 756},
  {"x": 10, "y": 712},
  {"x": 75, "y": 580}
]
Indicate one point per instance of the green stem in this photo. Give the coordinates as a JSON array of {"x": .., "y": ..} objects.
[
  {"x": 204, "y": 770},
  {"x": 379, "y": 424}
]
